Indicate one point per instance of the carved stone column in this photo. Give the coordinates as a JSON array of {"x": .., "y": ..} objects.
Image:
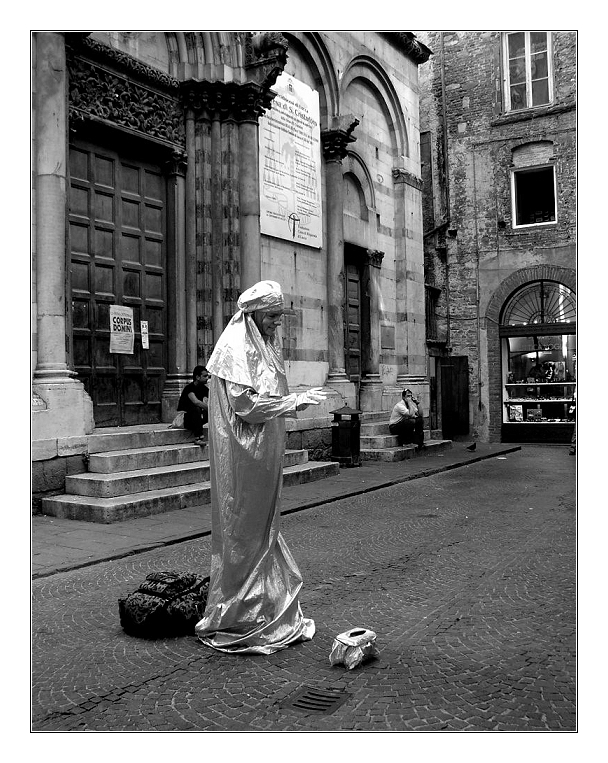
[
  {"x": 68, "y": 408},
  {"x": 335, "y": 142},
  {"x": 221, "y": 111},
  {"x": 177, "y": 325},
  {"x": 190, "y": 253},
  {"x": 411, "y": 335},
  {"x": 249, "y": 198},
  {"x": 371, "y": 384}
]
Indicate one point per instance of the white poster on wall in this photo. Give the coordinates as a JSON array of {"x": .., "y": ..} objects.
[
  {"x": 122, "y": 330},
  {"x": 290, "y": 164},
  {"x": 145, "y": 338}
]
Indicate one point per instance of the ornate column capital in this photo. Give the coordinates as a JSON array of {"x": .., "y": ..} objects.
[
  {"x": 227, "y": 101},
  {"x": 177, "y": 163},
  {"x": 336, "y": 138},
  {"x": 265, "y": 57},
  {"x": 374, "y": 258}
]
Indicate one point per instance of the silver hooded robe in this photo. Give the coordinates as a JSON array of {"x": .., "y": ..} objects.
[{"x": 253, "y": 604}]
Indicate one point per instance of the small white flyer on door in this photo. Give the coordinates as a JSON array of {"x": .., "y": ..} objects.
[
  {"x": 122, "y": 330},
  {"x": 145, "y": 341}
]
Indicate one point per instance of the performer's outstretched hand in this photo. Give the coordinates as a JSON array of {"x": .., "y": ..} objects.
[{"x": 312, "y": 396}]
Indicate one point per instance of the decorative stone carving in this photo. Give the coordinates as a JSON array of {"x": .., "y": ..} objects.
[
  {"x": 401, "y": 175},
  {"x": 336, "y": 139},
  {"x": 105, "y": 54},
  {"x": 227, "y": 100},
  {"x": 410, "y": 45},
  {"x": 177, "y": 163},
  {"x": 97, "y": 93},
  {"x": 374, "y": 257},
  {"x": 265, "y": 57}
]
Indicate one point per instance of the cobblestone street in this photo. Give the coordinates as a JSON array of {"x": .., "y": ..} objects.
[{"x": 467, "y": 577}]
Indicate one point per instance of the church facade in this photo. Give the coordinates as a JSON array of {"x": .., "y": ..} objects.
[{"x": 172, "y": 170}]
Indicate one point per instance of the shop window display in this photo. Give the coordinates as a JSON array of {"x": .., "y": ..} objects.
[
  {"x": 538, "y": 342},
  {"x": 540, "y": 378}
]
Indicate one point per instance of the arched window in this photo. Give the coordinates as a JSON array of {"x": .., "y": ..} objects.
[{"x": 540, "y": 302}]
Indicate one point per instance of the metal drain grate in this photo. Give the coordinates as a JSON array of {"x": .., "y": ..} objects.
[{"x": 311, "y": 700}]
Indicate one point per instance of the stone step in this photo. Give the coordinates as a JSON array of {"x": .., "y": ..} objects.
[
  {"x": 386, "y": 440},
  {"x": 379, "y": 441},
  {"x": 144, "y": 436},
  {"x": 138, "y": 481},
  {"x": 146, "y": 458},
  {"x": 120, "y": 508},
  {"x": 296, "y": 475},
  {"x": 375, "y": 428},
  {"x": 372, "y": 416},
  {"x": 400, "y": 453},
  {"x": 395, "y": 453},
  {"x": 102, "y": 485}
]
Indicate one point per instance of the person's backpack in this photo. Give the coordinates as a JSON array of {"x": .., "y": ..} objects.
[{"x": 166, "y": 604}]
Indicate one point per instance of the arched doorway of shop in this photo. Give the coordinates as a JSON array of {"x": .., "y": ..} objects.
[
  {"x": 117, "y": 244},
  {"x": 538, "y": 363}
]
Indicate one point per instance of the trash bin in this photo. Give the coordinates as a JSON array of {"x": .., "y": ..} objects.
[{"x": 346, "y": 436}]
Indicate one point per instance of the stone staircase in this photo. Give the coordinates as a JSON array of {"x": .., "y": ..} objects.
[
  {"x": 151, "y": 469},
  {"x": 378, "y": 444}
]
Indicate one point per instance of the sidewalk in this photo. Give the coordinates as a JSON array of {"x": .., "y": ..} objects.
[{"x": 65, "y": 544}]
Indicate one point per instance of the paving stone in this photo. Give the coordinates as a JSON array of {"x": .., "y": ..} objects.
[{"x": 508, "y": 663}]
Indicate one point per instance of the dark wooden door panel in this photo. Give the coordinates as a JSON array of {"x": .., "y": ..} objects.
[
  {"x": 454, "y": 396},
  {"x": 117, "y": 242},
  {"x": 352, "y": 339}
]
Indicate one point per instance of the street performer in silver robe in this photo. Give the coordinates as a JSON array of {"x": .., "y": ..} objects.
[{"x": 253, "y": 603}]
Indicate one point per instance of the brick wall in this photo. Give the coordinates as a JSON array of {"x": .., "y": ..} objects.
[{"x": 462, "y": 94}]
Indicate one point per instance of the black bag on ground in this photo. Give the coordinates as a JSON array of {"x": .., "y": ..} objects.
[{"x": 165, "y": 604}]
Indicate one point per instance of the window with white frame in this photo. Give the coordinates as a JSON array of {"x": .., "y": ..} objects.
[
  {"x": 533, "y": 195},
  {"x": 528, "y": 78}
]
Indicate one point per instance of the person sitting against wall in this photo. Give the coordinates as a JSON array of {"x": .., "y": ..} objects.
[
  {"x": 194, "y": 401},
  {"x": 406, "y": 421}
]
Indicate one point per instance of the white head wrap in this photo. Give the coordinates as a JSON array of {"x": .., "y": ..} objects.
[{"x": 241, "y": 355}]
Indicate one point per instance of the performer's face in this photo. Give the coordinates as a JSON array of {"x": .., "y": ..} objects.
[{"x": 267, "y": 323}]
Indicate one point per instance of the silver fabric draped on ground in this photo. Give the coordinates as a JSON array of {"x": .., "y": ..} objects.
[{"x": 253, "y": 601}]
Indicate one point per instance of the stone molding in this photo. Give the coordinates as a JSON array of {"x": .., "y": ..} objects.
[
  {"x": 227, "y": 101},
  {"x": 401, "y": 175},
  {"x": 98, "y": 94},
  {"x": 130, "y": 66},
  {"x": 335, "y": 140}
]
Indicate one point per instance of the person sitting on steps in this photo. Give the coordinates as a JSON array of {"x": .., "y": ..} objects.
[
  {"x": 194, "y": 401},
  {"x": 406, "y": 421}
]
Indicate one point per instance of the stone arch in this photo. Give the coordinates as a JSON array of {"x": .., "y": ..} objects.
[
  {"x": 351, "y": 181},
  {"x": 529, "y": 153},
  {"x": 522, "y": 277},
  {"x": 513, "y": 282},
  {"x": 369, "y": 70},
  {"x": 312, "y": 49},
  {"x": 355, "y": 166}
]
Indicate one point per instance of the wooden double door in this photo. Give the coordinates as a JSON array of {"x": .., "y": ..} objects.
[{"x": 117, "y": 240}]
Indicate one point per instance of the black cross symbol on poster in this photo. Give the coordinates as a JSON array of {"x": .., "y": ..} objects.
[{"x": 293, "y": 218}]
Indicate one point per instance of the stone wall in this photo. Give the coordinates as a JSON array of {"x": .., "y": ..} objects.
[{"x": 470, "y": 186}]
